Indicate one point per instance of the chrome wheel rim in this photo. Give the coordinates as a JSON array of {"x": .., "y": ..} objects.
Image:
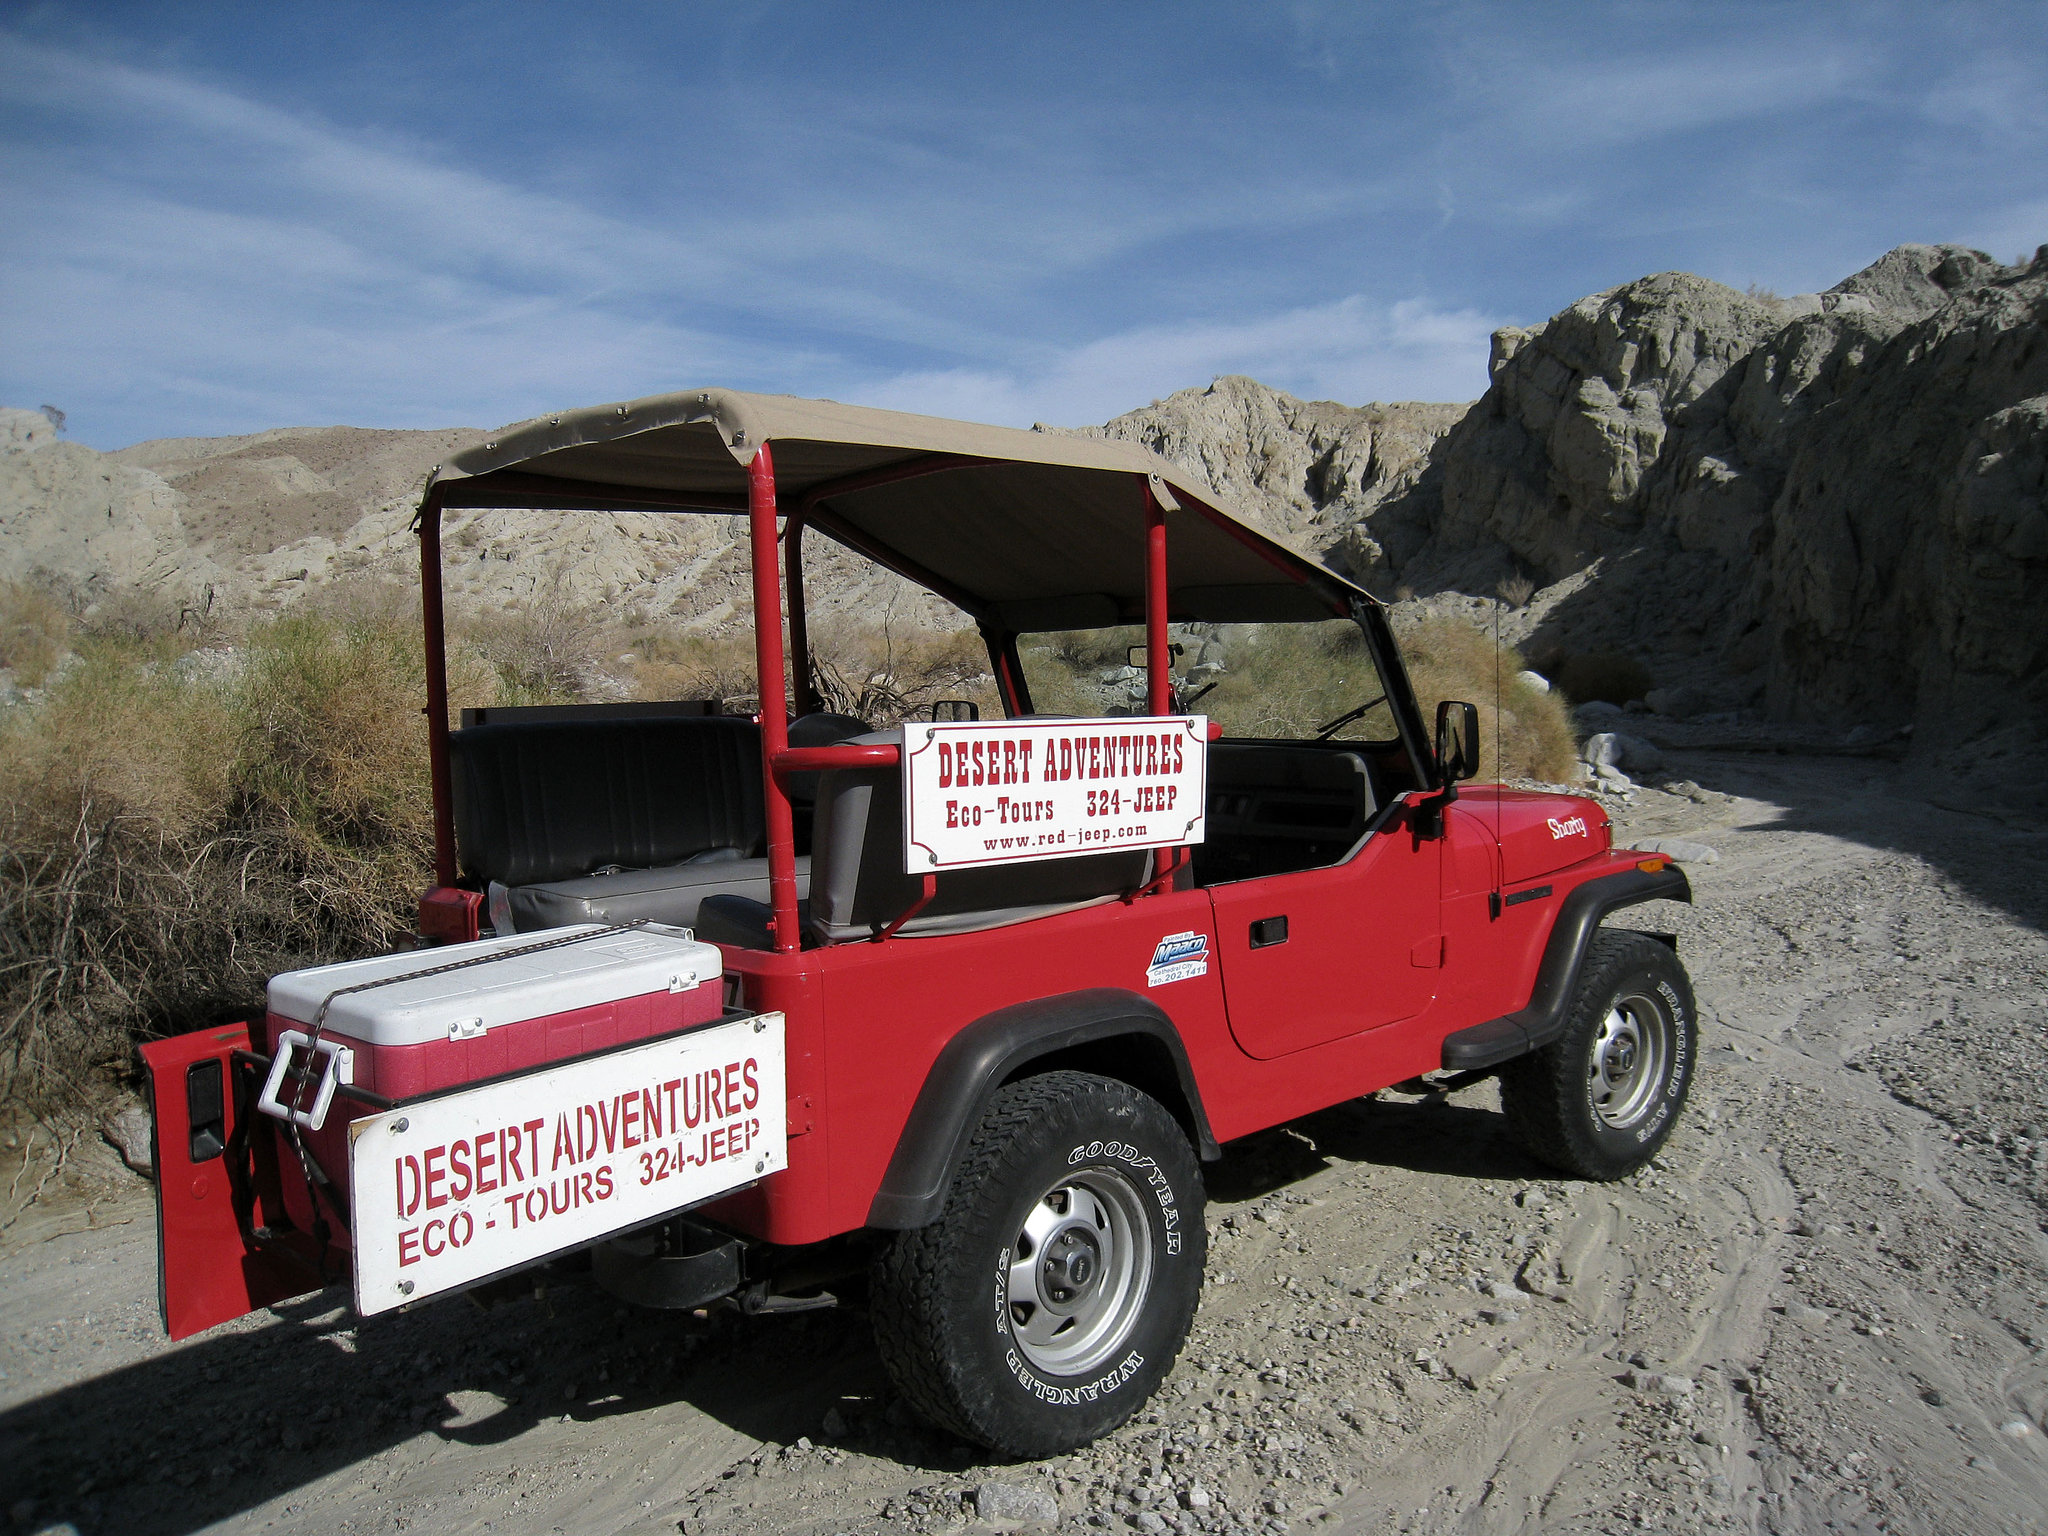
[
  {"x": 1080, "y": 1267},
  {"x": 1631, "y": 1049}
]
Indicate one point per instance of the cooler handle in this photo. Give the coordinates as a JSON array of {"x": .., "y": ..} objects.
[{"x": 339, "y": 1067}]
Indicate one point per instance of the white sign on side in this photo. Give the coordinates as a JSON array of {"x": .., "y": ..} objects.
[
  {"x": 1004, "y": 791},
  {"x": 455, "y": 1189}
]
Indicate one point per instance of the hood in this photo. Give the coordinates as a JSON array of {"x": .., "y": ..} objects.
[{"x": 1538, "y": 832}]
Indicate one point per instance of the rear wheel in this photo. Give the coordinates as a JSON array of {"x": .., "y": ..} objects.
[
  {"x": 1047, "y": 1302},
  {"x": 1602, "y": 1098}
]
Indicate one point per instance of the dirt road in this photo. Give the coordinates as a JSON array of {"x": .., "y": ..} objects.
[{"x": 1826, "y": 1307}]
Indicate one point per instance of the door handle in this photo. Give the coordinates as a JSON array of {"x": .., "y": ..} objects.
[{"x": 1269, "y": 930}]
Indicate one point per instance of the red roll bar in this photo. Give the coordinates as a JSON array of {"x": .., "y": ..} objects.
[
  {"x": 768, "y": 655},
  {"x": 817, "y": 759},
  {"x": 437, "y": 686}
]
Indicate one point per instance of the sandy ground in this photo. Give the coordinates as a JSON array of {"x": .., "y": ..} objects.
[{"x": 1825, "y": 1307}]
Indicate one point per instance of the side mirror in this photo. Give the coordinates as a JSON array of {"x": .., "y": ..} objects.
[
  {"x": 1139, "y": 655},
  {"x": 1457, "y": 740}
]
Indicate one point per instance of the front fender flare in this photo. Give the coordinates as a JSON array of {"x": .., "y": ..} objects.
[
  {"x": 1543, "y": 1020},
  {"x": 986, "y": 1054}
]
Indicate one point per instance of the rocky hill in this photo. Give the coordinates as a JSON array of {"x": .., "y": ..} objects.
[
  {"x": 1827, "y": 507},
  {"x": 253, "y": 523},
  {"x": 1824, "y": 508}
]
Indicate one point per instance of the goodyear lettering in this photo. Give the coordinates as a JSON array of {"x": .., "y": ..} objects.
[{"x": 1155, "y": 1177}]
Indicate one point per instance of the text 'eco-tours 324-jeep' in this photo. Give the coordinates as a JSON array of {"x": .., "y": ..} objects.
[{"x": 745, "y": 1006}]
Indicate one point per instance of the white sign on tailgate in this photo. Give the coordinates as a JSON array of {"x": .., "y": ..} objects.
[
  {"x": 452, "y": 1190},
  {"x": 1008, "y": 790}
]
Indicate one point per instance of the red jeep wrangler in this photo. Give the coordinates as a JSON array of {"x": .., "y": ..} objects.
[{"x": 742, "y": 1006}]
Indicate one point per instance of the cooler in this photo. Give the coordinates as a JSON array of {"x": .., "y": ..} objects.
[{"x": 425, "y": 1021}]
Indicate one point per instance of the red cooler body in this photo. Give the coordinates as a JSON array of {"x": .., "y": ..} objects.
[{"x": 430, "y": 1022}]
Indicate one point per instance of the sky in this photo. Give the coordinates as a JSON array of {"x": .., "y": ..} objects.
[{"x": 222, "y": 217}]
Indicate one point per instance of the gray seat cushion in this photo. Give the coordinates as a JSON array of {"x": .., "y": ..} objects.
[{"x": 671, "y": 894}]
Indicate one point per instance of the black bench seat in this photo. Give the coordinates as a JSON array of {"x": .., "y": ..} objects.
[{"x": 609, "y": 820}]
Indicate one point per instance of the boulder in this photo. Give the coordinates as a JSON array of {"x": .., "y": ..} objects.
[
  {"x": 1618, "y": 749},
  {"x": 1014, "y": 1505},
  {"x": 129, "y": 1132}
]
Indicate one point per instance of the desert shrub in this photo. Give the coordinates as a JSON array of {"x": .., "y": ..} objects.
[
  {"x": 1601, "y": 675},
  {"x": 882, "y": 673},
  {"x": 1286, "y": 681},
  {"x": 685, "y": 666},
  {"x": 1529, "y": 735},
  {"x": 546, "y": 649},
  {"x": 1082, "y": 672},
  {"x": 176, "y": 834},
  {"x": 34, "y": 629},
  {"x": 885, "y": 674}
]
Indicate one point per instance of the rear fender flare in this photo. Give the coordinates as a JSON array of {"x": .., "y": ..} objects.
[
  {"x": 1101, "y": 1029},
  {"x": 1557, "y": 977}
]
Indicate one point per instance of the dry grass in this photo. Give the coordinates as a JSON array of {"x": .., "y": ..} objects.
[
  {"x": 669, "y": 666},
  {"x": 1530, "y": 737},
  {"x": 1284, "y": 681},
  {"x": 33, "y": 630},
  {"x": 176, "y": 834},
  {"x": 887, "y": 674},
  {"x": 547, "y": 650},
  {"x": 181, "y": 825}
]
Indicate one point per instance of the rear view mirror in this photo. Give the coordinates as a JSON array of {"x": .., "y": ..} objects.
[
  {"x": 1136, "y": 655},
  {"x": 1457, "y": 740}
]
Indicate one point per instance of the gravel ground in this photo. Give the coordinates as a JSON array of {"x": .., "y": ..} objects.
[{"x": 1824, "y": 1307}]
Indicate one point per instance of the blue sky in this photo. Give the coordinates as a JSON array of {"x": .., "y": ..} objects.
[{"x": 223, "y": 217}]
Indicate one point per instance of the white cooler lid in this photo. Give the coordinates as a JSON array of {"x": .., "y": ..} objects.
[{"x": 622, "y": 963}]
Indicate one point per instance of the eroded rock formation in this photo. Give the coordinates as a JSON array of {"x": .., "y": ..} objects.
[{"x": 1829, "y": 506}]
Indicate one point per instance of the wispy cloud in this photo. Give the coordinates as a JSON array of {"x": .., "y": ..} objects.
[
  {"x": 1055, "y": 216},
  {"x": 1351, "y": 351}
]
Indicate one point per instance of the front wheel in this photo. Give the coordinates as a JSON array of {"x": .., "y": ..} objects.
[
  {"x": 1047, "y": 1302},
  {"x": 1602, "y": 1098}
]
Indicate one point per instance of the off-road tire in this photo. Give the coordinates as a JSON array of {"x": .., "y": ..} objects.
[
  {"x": 965, "y": 1346},
  {"x": 1600, "y": 1124}
]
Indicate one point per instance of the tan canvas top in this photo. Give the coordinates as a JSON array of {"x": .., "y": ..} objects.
[{"x": 1033, "y": 529}]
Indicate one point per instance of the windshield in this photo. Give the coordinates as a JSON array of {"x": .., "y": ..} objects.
[{"x": 1287, "y": 682}]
